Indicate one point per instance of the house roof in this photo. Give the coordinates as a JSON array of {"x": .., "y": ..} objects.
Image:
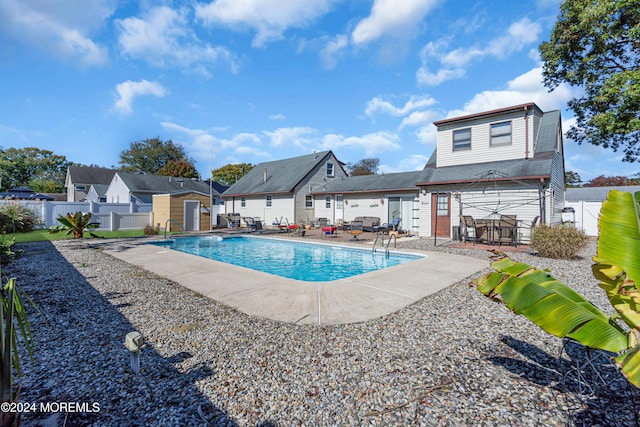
[
  {"x": 518, "y": 169},
  {"x": 595, "y": 194},
  {"x": 282, "y": 176},
  {"x": 372, "y": 183},
  {"x": 90, "y": 175},
  {"x": 23, "y": 193},
  {"x": 500, "y": 111},
  {"x": 154, "y": 184},
  {"x": 100, "y": 189}
]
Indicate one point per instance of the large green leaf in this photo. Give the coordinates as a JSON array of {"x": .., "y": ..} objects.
[{"x": 552, "y": 305}]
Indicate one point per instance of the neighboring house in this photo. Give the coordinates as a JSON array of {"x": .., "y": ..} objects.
[
  {"x": 128, "y": 187},
  {"x": 23, "y": 193},
  {"x": 505, "y": 161},
  {"x": 80, "y": 179},
  {"x": 283, "y": 188},
  {"x": 97, "y": 193},
  {"x": 587, "y": 202},
  {"x": 385, "y": 196}
]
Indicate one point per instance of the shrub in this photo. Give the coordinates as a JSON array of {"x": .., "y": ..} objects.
[
  {"x": 15, "y": 218},
  {"x": 557, "y": 241},
  {"x": 7, "y": 252},
  {"x": 150, "y": 230}
]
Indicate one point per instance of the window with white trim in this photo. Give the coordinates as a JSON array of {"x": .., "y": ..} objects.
[
  {"x": 327, "y": 202},
  {"x": 243, "y": 202},
  {"x": 308, "y": 201},
  {"x": 501, "y": 133},
  {"x": 268, "y": 200},
  {"x": 462, "y": 139},
  {"x": 330, "y": 169}
]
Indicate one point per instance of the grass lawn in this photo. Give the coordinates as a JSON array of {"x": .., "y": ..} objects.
[{"x": 39, "y": 235}]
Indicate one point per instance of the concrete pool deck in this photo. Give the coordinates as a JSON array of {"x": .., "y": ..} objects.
[{"x": 355, "y": 299}]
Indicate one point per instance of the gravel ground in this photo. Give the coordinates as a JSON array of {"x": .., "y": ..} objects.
[{"x": 453, "y": 358}]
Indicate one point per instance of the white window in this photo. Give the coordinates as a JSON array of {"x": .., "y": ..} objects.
[
  {"x": 339, "y": 201},
  {"x": 327, "y": 202},
  {"x": 329, "y": 169},
  {"x": 81, "y": 187},
  {"x": 308, "y": 201},
  {"x": 501, "y": 133},
  {"x": 243, "y": 202},
  {"x": 268, "y": 200},
  {"x": 462, "y": 139}
]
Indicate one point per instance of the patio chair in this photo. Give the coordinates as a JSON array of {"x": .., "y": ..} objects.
[
  {"x": 355, "y": 229},
  {"x": 252, "y": 224},
  {"x": 469, "y": 230},
  {"x": 386, "y": 227},
  {"x": 508, "y": 230}
]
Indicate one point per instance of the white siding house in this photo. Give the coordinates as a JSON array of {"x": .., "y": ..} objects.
[
  {"x": 283, "y": 189},
  {"x": 501, "y": 162}
]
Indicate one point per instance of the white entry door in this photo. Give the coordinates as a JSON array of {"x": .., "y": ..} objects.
[{"x": 191, "y": 215}]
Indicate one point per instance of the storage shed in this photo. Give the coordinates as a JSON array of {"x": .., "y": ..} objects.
[{"x": 182, "y": 210}]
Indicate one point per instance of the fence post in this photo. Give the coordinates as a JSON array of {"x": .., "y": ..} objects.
[
  {"x": 112, "y": 219},
  {"x": 151, "y": 219}
]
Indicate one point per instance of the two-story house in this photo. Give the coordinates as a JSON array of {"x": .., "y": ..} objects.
[
  {"x": 79, "y": 180},
  {"x": 502, "y": 162},
  {"x": 283, "y": 189}
]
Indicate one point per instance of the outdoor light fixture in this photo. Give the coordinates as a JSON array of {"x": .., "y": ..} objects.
[{"x": 134, "y": 342}]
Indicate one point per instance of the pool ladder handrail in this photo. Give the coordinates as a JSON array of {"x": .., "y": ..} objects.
[
  {"x": 167, "y": 223},
  {"x": 378, "y": 234}
]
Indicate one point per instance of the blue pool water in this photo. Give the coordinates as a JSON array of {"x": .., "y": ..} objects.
[{"x": 300, "y": 261}]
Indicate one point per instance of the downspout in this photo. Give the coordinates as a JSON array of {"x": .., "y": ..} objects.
[{"x": 526, "y": 131}]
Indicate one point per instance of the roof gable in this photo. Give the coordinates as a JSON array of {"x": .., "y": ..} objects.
[{"x": 279, "y": 176}]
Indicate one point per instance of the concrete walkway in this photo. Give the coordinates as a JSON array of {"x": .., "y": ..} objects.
[{"x": 355, "y": 299}]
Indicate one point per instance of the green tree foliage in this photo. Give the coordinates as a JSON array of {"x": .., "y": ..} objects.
[
  {"x": 595, "y": 45},
  {"x": 572, "y": 179},
  {"x": 150, "y": 155},
  {"x": 229, "y": 174},
  {"x": 364, "y": 167},
  {"x": 610, "y": 181},
  {"x": 21, "y": 166},
  {"x": 179, "y": 168}
]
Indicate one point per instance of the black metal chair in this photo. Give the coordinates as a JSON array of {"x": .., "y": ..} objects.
[{"x": 469, "y": 230}]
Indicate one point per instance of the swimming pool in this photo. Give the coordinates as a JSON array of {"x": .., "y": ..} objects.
[{"x": 301, "y": 261}]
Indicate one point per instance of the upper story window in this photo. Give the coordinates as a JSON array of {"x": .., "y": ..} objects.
[
  {"x": 243, "y": 202},
  {"x": 81, "y": 187},
  {"x": 329, "y": 169},
  {"x": 501, "y": 133},
  {"x": 308, "y": 201},
  {"x": 268, "y": 200},
  {"x": 462, "y": 139}
]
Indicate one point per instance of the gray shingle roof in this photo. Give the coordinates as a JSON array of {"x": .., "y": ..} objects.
[
  {"x": 595, "y": 194},
  {"x": 101, "y": 189},
  {"x": 282, "y": 175},
  {"x": 90, "y": 175},
  {"x": 140, "y": 183},
  {"x": 370, "y": 183}
]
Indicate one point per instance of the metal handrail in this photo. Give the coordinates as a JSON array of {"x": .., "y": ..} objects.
[
  {"x": 378, "y": 234},
  {"x": 395, "y": 243},
  {"x": 167, "y": 222}
]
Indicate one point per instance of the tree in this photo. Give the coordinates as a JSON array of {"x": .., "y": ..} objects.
[
  {"x": 150, "y": 155},
  {"x": 229, "y": 174},
  {"x": 364, "y": 167},
  {"x": 572, "y": 179},
  {"x": 595, "y": 45},
  {"x": 179, "y": 168},
  {"x": 610, "y": 181},
  {"x": 20, "y": 166}
]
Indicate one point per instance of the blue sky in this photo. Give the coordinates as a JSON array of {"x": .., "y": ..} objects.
[{"x": 255, "y": 80}]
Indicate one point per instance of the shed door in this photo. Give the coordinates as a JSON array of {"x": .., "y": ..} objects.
[
  {"x": 441, "y": 214},
  {"x": 191, "y": 215}
]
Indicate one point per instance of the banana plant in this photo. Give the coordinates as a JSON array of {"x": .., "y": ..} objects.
[
  {"x": 75, "y": 223},
  {"x": 560, "y": 311}
]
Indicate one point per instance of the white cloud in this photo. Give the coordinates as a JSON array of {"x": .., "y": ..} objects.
[
  {"x": 277, "y": 117},
  {"x": 378, "y": 104},
  {"x": 391, "y": 17},
  {"x": 60, "y": 29},
  {"x": 269, "y": 21},
  {"x": 451, "y": 64},
  {"x": 418, "y": 118},
  {"x": 129, "y": 90},
  {"x": 412, "y": 162},
  {"x": 296, "y": 136},
  {"x": 428, "y": 135},
  {"x": 373, "y": 143},
  {"x": 162, "y": 37},
  {"x": 333, "y": 51}
]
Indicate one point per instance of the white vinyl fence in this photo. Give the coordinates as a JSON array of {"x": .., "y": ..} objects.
[
  {"x": 587, "y": 214},
  {"x": 111, "y": 216}
]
